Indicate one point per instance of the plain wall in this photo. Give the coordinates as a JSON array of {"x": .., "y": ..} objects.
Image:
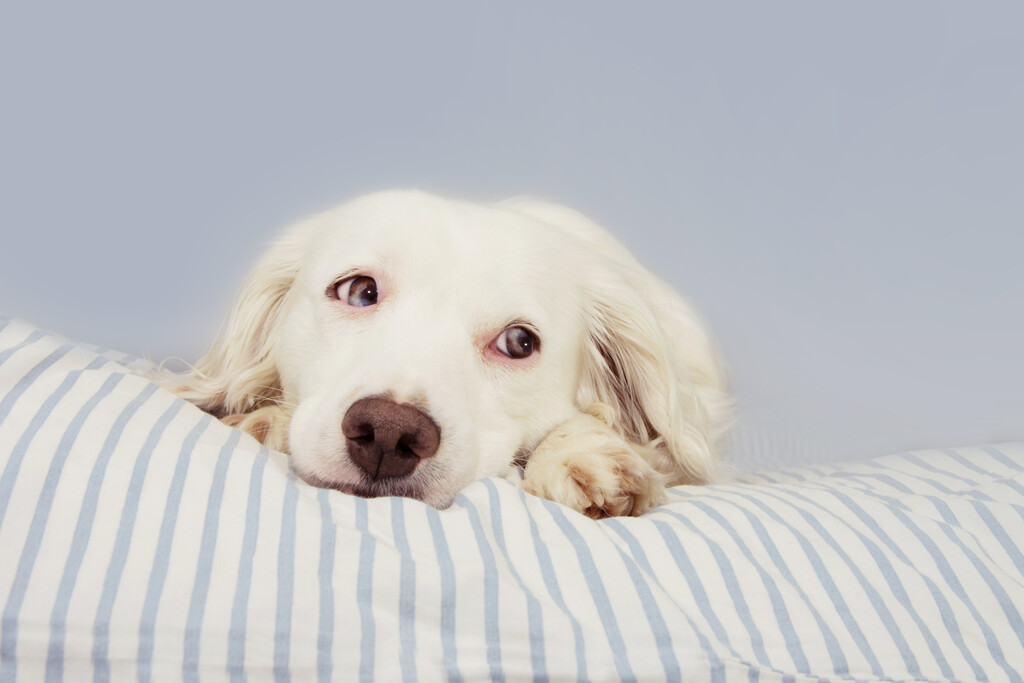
[{"x": 837, "y": 187}]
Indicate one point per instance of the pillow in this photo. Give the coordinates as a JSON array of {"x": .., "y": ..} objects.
[{"x": 141, "y": 538}]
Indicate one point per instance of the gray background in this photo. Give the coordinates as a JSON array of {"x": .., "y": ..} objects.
[{"x": 836, "y": 186}]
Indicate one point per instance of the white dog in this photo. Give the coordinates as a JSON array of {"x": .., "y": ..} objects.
[{"x": 405, "y": 344}]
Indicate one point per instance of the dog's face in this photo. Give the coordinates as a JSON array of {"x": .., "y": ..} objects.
[
  {"x": 469, "y": 315},
  {"x": 404, "y": 344}
]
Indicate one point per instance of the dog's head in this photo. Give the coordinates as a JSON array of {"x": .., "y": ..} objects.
[{"x": 404, "y": 344}]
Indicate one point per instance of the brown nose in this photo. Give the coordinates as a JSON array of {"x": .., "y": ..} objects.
[{"x": 387, "y": 439}]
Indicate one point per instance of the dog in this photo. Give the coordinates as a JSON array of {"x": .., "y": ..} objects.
[{"x": 404, "y": 344}]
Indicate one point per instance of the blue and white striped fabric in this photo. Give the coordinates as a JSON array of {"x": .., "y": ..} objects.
[{"x": 141, "y": 539}]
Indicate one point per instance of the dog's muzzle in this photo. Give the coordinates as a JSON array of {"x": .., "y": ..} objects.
[{"x": 388, "y": 439}]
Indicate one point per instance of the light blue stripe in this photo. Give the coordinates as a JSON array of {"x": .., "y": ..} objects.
[
  {"x": 243, "y": 580},
  {"x": 918, "y": 477},
  {"x": 534, "y": 618},
  {"x": 948, "y": 493},
  {"x": 31, "y": 376},
  {"x": 592, "y": 576},
  {"x": 717, "y": 667},
  {"x": 14, "y": 462},
  {"x": 161, "y": 560},
  {"x": 364, "y": 592},
  {"x": 693, "y": 582},
  {"x": 928, "y": 467},
  {"x": 122, "y": 543},
  {"x": 888, "y": 572},
  {"x": 782, "y": 617},
  {"x": 967, "y": 464},
  {"x": 285, "y": 582},
  {"x": 852, "y": 480},
  {"x": 825, "y": 578},
  {"x": 1016, "y": 487},
  {"x": 999, "y": 533},
  {"x": 32, "y": 338},
  {"x": 448, "y": 593},
  {"x": 82, "y": 535},
  {"x": 17, "y": 456},
  {"x": 944, "y": 608},
  {"x": 835, "y": 650},
  {"x": 885, "y": 499},
  {"x": 950, "y": 577},
  {"x": 1004, "y": 600},
  {"x": 884, "y": 615},
  {"x": 551, "y": 583},
  {"x": 406, "y": 593},
  {"x": 979, "y": 496},
  {"x": 949, "y": 520},
  {"x": 659, "y": 629},
  {"x": 791, "y": 475},
  {"x": 881, "y": 478},
  {"x": 491, "y": 614},
  {"x": 204, "y": 567},
  {"x": 325, "y": 639},
  {"x": 738, "y": 601},
  {"x": 1002, "y": 459},
  {"x": 30, "y": 549}
]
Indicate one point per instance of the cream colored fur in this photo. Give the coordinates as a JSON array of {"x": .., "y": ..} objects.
[
  {"x": 624, "y": 396},
  {"x": 586, "y": 464}
]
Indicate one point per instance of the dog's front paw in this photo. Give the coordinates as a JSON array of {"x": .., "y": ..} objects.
[{"x": 584, "y": 464}]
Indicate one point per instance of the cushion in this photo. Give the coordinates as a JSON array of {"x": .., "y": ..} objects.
[{"x": 142, "y": 539}]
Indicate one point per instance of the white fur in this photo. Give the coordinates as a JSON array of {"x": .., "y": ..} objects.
[{"x": 616, "y": 342}]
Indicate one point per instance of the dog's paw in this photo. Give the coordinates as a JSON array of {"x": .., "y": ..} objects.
[{"x": 586, "y": 465}]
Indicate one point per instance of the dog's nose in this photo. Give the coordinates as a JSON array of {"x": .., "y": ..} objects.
[{"x": 388, "y": 439}]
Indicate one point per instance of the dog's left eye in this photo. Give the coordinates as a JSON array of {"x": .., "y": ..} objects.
[
  {"x": 357, "y": 291},
  {"x": 517, "y": 342}
]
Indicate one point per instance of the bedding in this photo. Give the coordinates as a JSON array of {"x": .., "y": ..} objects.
[{"x": 141, "y": 539}]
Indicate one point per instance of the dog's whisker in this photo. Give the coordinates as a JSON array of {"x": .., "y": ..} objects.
[{"x": 276, "y": 401}]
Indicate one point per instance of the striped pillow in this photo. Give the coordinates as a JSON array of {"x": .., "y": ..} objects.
[{"x": 142, "y": 539}]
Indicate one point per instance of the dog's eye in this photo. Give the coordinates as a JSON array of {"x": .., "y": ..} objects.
[
  {"x": 357, "y": 291},
  {"x": 517, "y": 342}
]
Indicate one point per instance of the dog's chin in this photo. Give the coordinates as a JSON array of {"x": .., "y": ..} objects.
[{"x": 402, "y": 487}]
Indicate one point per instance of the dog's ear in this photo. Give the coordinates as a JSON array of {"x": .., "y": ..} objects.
[
  {"x": 237, "y": 379},
  {"x": 647, "y": 353},
  {"x": 649, "y": 357}
]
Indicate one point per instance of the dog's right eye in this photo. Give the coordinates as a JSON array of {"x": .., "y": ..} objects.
[
  {"x": 517, "y": 342},
  {"x": 360, "y": 290}
]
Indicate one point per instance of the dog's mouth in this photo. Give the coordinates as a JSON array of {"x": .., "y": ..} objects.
[{"x": 371, "y": 488}]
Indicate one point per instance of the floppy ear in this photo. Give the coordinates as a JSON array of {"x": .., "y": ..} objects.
[
  {"x": 237, "y": 378},
  {"x": 647, "y": 354}
]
